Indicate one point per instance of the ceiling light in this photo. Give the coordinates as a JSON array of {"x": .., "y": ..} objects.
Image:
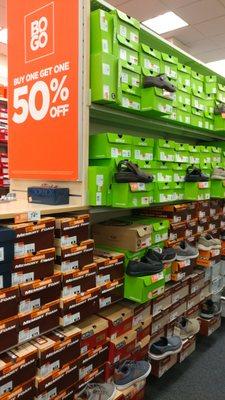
[
  {"x": 4, "y": 35},
  {"x": 165, "y": 23},
  {"x": 217, "y": 66}
]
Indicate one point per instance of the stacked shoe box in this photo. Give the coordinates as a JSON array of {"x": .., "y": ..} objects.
[{"x": 4, "y": 168}]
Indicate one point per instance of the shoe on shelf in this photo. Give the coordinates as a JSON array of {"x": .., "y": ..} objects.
[
  {"x": 129, "y": 172},
  {"x": 208, "y": 242},
  {"x": 194, "y": 174},
  {"x": 159, "y": 81},
  {"x": 142, "y": 268},
  {"x": 209, "y": 309},
  {"x": 185, "y": 252},
  {"x": 97, "y": 391},
  {"x": 130, "y": 372},
  {"x": 165, "y": 255},
  {"x": 219, "y": 109},
  {"x": 165, "y": 347},
  {"x": 218, "y": 173},
  {"x": 188, "y": 327},
  {"x": 222, "y": 235}
]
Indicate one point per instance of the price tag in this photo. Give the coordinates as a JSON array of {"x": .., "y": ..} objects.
[{"x": 30, "y": 216}]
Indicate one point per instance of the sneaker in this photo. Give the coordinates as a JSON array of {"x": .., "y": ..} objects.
[
  {"x": 207, "y": 242},
  {"x": 218, "y": 173},
  {"x": 194, "y": 174},
  {"x": 141, "y": 268},
  {"x": 97, "y": 391},
  {"x": 188, "y": 327},
  {"x": 209, "y": 309},
  {"x": 185, "y": 252},
  {"x": 130, "y": 372},
  {"x": 159, "y": 81},
  {"x": 165, "y": 347},
  {"x": 166, "y": 255},
  {"x": 129, "y": 172}
]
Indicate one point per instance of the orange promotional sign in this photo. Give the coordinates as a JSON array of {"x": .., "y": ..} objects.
[{"x": 43, "y": 89}]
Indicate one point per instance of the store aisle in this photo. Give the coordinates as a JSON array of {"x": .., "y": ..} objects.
[{"x": 199, "y": 377}]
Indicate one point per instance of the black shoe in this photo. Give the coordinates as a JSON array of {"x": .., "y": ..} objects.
[
  {"x": 130, "y": 172},
  {"x": 139, "y": 268},
  {"x": 209, "y": 309},
  {"x": 166, "y": 255},
  {"x": 194, "y": 174},
  {"x": 219, "y": 109},
  {"x": 222, "y": 235},
  {"x": 159, "y": 81}
]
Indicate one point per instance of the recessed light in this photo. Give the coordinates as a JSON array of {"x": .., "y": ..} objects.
[
  {"x": 4, "y": 35},
  {"x": 217, "y": 66},
  {"x": 165, "y": 23}
]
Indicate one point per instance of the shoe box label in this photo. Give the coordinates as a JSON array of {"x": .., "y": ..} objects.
[{"x": 29, "y": 305}]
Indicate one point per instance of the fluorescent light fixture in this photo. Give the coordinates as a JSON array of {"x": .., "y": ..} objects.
[
  {"x": 165, "y": 23},
  {"x": 217, "y": 66},
  {"x": 4, "y": 36}
]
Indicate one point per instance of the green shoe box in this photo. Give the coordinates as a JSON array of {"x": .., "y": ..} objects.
[
  {"x": 110, "y": 145},
  {"x": 164, "y": 150},
  {"x": 130, "y": 102},
  {"x": 169, "y": 65},
  {"x": 178, "y": 191},
  {"x": 98, "y": 185},
  {"x": 167, "y": 273},
  {"x": 205, "y": 154},
  {"x": 101, "y": 32},
  {"x": 143, "y": 289},
  {"x": 142, "y": 149},
  {"x": 211, "y": 84},
  {"x": 182, "y": 153},
  {"x": 197, "y": 117},
  {"x": 183, "y": 114},
  {"x": 129, "y": 79},
  {"x": 172, "y": 116},
  {"x": 157, "y": 100},
  {"x": 194, "y": 154},
  {"x": 179, "y": 172},
  {"x": 218, "y": 189},
  {"x": 184, "y": 75},
  {"x": 164, "y": 192},
  {"x": 220, "y": 94},
  {"x": 150, "y": 60},
  {"x": 129, "y": 255},
  {"x": 197, "y": 82},
  {"x": 161, "y": 171},
  {"x": 160, "y": 228},
  {"x": 216, "y": 154},
  {"x": 103, "y": 78},
  {"x": 210, "y": 102},
  {"x": 219, "y": 123},
  {"x": 197, "y": 190},
  {"x": 125, "y": 50},
  {"x": 209, "y": 120},
  {"x": 198, "y": 100},
  {"x": 132, "y": 195},
  {"x": 183, "y": 97},
  {"x": 206, "y": 168},
  {"x": 126, "y": 26}
]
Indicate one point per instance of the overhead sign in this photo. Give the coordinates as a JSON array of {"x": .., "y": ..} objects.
[{"x": 43, "y": 48}]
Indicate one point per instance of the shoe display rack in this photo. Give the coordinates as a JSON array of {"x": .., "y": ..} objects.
[{"x": 4, "y": 169}]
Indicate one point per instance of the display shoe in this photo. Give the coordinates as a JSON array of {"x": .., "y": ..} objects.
[
  {"x": 188, "y": 327},
  {"x": 159, "y": 81},
  {"x": 218, "y": 174},
  {"x": 97, "y": 391},
  {"x": 207, "y": 242},
  {"x": 140, "y": 268},
  {"x": 130, "y": 372},
  {"x": 165, "y": 347},
  {"x": 209, "y": 309},
  {"x": 194, "y": 174},
  {"x": 219, "y": 109},
  {"x": 185, "y": 252},
  {"x": 165, "y": 255},
  {"x": 129, "y": 172}
]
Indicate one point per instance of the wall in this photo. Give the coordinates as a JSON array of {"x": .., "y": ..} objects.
[{"x": 3, "y": 70}]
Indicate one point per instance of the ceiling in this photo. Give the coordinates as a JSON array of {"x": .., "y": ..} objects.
[
  {"x": 204, "y": 38},
  {"x": 3, "y": 23}
]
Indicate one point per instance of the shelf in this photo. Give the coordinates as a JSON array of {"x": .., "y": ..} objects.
[{"x": 125, "y": 120}]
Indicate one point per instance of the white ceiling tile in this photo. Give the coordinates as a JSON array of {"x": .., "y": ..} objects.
[
  {"x": 218, "y": 40},
  {"x": 173, "y": 4},
  {"x": 201, "y": 11},
  {"x": 115, "y": 2},
  {"x": 142, "y": 9},
  {"x": 186, "y": 35},
  {"x": 213, "y": 27},
  {"x": 213, "y": 55}
]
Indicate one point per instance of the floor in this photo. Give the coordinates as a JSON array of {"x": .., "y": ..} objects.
[{"x": 199, "y": 377}]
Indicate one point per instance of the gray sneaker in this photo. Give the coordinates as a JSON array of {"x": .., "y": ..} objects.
[
  {"x": 218, "y": 173},
  {"x": 130, "y": 372},
  {"x": 165, "y": 347},
  {"x": 184, "y": 251},
  {"x": 97, "y": 391},
  {"x": 208, "y": 243}
]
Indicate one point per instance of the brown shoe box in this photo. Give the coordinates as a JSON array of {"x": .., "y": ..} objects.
[
  {"x": 215, "y": 207},
  {"x": 196, "y": 281},
  {"x": 159, "y": 321},
  {"x": 140, "y": 395},
  {"x": 134, "y": 391},
  {"x": 208, "y": 254},
  {"x": 175, "y": 213},
  {"x": 193, "y": 312},
  {"x": 177, "y": 231},
  {"x": 93, "y": 359},
  {"x": 36, "y": 323},
  {"x": 9, "y": 299},
  {"x": 193, "y": 299},
  {"x": 98, "y": 375},
  {"x": 192, "y": 211},
  {"x": 214, "y": 222},
  {"x": 30, "y": 268},
  {"x": 78, "y": 282},
  {"x": 94, "y": 333},
  {"x": 31, "y": 237},
  {"x": 222, "y": 222},
  {"x": 17, "y": 366},
  {"x": 143, "y": 329},
  {"x": 191, "y": 228},
  {"x": 122, "y": 346},
  {"x": 203, "y": 208},
  {"x": 160, "y": 367},
  {"x": 188, "y": 348},
  {"x": 67, "y": 394},
  {"x": 109, "y": 268},
  {"x": 57, "y": 349},
  {"x": 162, "y": 302},
  {"x": 171, "y": 328},
  {"x": 179, "y": 291},
  {"x": 177, "y": 309},
  {"x": 119, "y": 318},
  {"x": 77, "y": 308},
  {"x": 75, "y": 257},
  {"x": 208, "y": 327},
  {"x": 36, "y": 294},
  {"x": 111, "y": 293},
  {"x": 140, "y": 352},
  {"x": 215, "y": 233},
  {"x": 25, "y": 391},
  {"x": 208, "y": 263},
  {"x": 154, "y": 338},
  {"x": 9, "y": 333},
  {"x": 140, "y": 311},
  {"x": 72, "y": 230},
  {"x": 205, "y": 292},
  {"x": 203, "y": 225}
]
